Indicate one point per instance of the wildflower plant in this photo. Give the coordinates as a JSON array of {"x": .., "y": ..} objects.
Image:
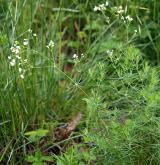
[{"x": 17, "y": 59}]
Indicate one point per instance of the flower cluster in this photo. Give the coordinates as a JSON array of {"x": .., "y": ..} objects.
[
  {"x": 119, "y": 10},
  {"x": 127, "y": 19},
  {"x": 15, "y": 58},
  {"x": 121, "y": 13},
  {"x": 82, "y": 55},
  {"x": 110, "y": 52},
  {"x": 15, "y": 49},
  {"x": 101, "y": 7},
  {"x": 75, "y": 57},
  {"x": 50, "y": 45}
]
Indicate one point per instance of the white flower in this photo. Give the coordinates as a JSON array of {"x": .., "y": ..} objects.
[
  {"x": 25, "y": 42},
  {"x": 129, "y": 18},
  {"x": 96, "y": 8},
  {"x": 119, "y": 10},
  {"x": 82, "y": 55},
  {"x": 122, "y": 18},
  {"x": 50, "y": 45},
  {"x": 15, "y": 49},
  {"x": 120, "y": 7},
  {"x": 135, "y": 31},
  {"x": 18, "y": 47},
  {"x": 29, "y": 30},
  {"x": 13, "y": 62},
  {"x": 21, "y": 76},
  {"x": 9, "y": 57},
  {"x": 20, "y": 70},
  {"x": 101, "y": 7},
  {"x": 107, "y": 19},
  {"x": 75, "y": 56},
  {"x": 110, "y": 52},
  {"x": 107, "y": 3},
  {"x": 35, "y": 35},
  {"x": 12, "y": 48}
]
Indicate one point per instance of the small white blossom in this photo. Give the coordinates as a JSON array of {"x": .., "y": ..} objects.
[
  {"x": 12, "y": 49},
  {"x": 50, "y": 45},
  {"x": 110, "y": 52},
  {"x": 9, "y": 57},
  {"x": 35, "y": 35},
  {"x": 101, "y": 7},
  {"x": 75, "y": 56},
  {"x": 119, "y": 10},
  {"x": 21, "y": 76},
  {"x": 13, "y": 62},
  {"x": 107, "y": 19},
  {"x": 96, "y": 8},
  {"x": 122, "y": 18},
  {"x": 15, "y": 49},
  {"x": 82, "y": 55},
  {"x": 16, "y": 60},
  {"x": 25, "y": 42},
  {"x": 135, "y": 31},
  {"x": 20, "y": 70},
  {"x": 107, "y": 3},
  {"x": 129, "y": 18},
  {"x": 18, "y": 47},
  {"x": 29, "y": 30}
]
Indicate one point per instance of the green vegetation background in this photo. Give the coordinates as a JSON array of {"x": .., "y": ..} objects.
[{"x": 118, "y": 94}]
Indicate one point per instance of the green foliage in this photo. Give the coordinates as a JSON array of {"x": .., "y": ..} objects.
[
  {"x": 34, "y": 136},
  {"x": 76, "y": 155},
  {"x": 113, "y": 79},
  {"x": 39, "y": 159}
]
